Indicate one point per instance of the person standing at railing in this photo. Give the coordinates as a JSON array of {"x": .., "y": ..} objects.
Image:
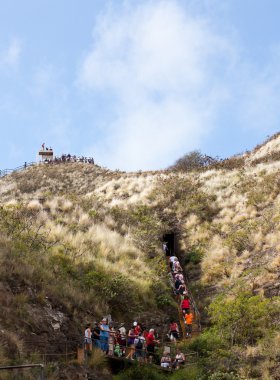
[
  {"x": 104, "y": 335},
  {"x": 140, "y": 347},
  {"x": 88, "y": 340},
  {"x": 137, "y": 328},
  {"x": 130, "y": 343},
  {"x": 151, "y": 343},
  {"x": 111, "y": 340},
  {"x": 95, "y": 334},
  {"x": 122, "y": 341}
]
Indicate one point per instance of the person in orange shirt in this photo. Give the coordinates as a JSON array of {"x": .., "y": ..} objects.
[{"x": 189, "y": 321}]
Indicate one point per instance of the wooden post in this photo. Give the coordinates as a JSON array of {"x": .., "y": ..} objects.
[{"x": 80, "y": 355}]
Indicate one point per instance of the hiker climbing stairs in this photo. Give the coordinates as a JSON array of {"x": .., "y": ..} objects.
[{"x": 179, "y": 280}]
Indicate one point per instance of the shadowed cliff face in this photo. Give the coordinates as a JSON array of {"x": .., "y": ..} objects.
[{"x": 78, "y": 241}]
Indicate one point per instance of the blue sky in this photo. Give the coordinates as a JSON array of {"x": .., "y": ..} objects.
[{"x": 137, "y": 84}]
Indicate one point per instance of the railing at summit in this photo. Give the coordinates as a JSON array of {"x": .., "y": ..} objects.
[{"x": 4, "y": 172}]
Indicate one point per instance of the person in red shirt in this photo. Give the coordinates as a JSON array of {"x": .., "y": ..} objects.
[
  {"x": 173, "y": 330},
  {"x": 185, "y": 304},
  {"x": 150, "y": 343},
  {"x": 137, "y": 328},
  {"x": 145, "y": 332}
]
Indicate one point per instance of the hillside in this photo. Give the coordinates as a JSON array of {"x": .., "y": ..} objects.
[{"x": 79, "y": 242}]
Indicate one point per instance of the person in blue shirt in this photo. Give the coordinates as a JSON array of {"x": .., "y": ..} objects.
[{"x": 104, "y": 335}]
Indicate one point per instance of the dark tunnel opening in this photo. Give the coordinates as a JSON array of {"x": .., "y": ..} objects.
[{"x": 169, "y": 239}]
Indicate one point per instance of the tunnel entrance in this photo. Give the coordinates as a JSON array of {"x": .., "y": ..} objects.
[{"x": 170, "y": 240}]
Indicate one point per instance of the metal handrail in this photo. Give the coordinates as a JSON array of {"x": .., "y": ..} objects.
[
  {"x": 23, "y": 366},
  {"x": 197, "y": 313},
  {"x": 4, "y": 172}
]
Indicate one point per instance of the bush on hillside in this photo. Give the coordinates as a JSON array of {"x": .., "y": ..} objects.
[
  {"x": 224, "y": 376},
  {"x": 193, "y": 161},
  {"x": 140, "y": 372},
  {"x": 19, "y": 223},
  {"x": 185, "y": 196},
  {"x": 240, "y": 236},
  {"x": 193, "y": 256},
  {"x": 242, "y": 318},
  {"x": 235, "y": 162}
]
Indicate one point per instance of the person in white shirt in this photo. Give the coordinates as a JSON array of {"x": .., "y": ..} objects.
[
  {"x": 88, "y": 340},
  {"x": 171, "y": 261}
]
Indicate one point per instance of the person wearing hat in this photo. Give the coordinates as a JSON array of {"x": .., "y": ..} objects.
[{"x": 137, "y": 328}]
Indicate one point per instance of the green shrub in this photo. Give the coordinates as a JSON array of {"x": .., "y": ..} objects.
[
  {"x": 140, "y": 372},
  {"x": 193, "y": 256},
  {"x": 94, "y": 214},
  {"x": 239, "y": 237},
  {"x": 224, "y": 376},
  {"x": 63, "y": 265},
  {"x": 242, "y": 318},
  {"x": 116, "y": 289},
  {"x": 206, "y": 343},
  {"x": 192, "y": 372}
]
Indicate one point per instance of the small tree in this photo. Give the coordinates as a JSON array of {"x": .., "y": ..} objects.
[
  {"x": 241, "y": 319},
  {"x": 192, "y": 161}
]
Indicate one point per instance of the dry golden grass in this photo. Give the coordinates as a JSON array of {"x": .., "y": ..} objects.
[
  {"x": 93, "y": 234},
  {"x": 271, "y": 146}
]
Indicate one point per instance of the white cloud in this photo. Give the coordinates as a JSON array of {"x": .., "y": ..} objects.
[
  {"x": 11, "y": 55},
  {"x": 170, "y": 75}
]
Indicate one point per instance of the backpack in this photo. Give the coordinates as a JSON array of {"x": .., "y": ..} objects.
[{"x": 139, "y": 344}]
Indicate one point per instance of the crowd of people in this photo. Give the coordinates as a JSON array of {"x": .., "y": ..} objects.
[
  {"x": 64, "y": 158},
  {"x": 48, "y": 151},
  {"x": 138, "y": 342},
  {"x": 135, "y": 343}
]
